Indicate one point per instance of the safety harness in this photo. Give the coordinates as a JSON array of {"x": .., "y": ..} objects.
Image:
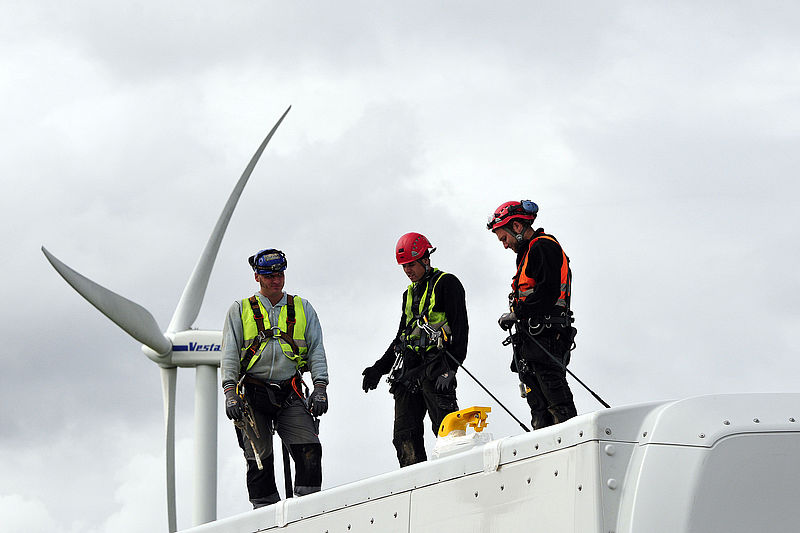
[
  {"x": 522, "y": 286},
  {"x": 418, "y": 309},
  {"x": 275, "y": 332},
  {"x": 421, "y": 341}
]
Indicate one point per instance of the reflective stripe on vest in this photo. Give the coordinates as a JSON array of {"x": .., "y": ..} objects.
[
  {"x": 413, "y": 336},
  {"x": 250, "y": 332},
  {"x": 522, "y": 286}
]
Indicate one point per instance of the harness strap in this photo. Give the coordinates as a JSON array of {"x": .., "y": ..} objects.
[
  {"x": 288, "y": 337},
  {"x": 416, "y": 295},
  {"x": 252, "y": 350},
  {"x": 263, "y": 334}
]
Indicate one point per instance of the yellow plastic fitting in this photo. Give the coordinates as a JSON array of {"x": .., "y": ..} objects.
[{"x": 474, "y": 417}]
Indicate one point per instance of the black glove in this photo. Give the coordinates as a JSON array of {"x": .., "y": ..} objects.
[
  {"x": 233, "y": 404},
  {"x": 372, "y": 376},
  {"x": 318, "y": 401},
  {"x": 446, "y": 381},
  {"x": 507, "y": 320}
]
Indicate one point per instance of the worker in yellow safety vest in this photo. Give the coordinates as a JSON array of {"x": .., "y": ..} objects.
[
  {"x": 268, "y": 340},
  {"x": 433, "y": 321}
]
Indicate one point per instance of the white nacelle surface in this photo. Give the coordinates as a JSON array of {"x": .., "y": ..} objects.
[
  {"x": 196, "y": 347},
  {"x": 724, "y": 463}
]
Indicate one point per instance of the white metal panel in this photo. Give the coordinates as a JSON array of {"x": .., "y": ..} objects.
[
  {"x": 703, "y": 420},
  {"x": 745, "y": 483},
  {"x": 749, "y": 483},
  {"x": 614, "y": 460},
  {"x": 386, "y": 515},
  {"x": 694, "y": 465},
  {"x": 536, "y": 494}
]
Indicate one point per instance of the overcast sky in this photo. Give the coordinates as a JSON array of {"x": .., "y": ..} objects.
[{"x": 659, "y": 140}]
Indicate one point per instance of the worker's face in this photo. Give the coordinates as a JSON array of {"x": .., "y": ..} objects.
[
  {"x": 507, "y": 233},
  {"x": 508, "y": 240},
  {"x": 414, "y": 270},
  {"x": 271, "y": 284}
]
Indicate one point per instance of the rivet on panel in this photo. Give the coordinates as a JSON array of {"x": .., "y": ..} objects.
[
  {"x": 529, "y": 481},
  {"x": 726, "y": 422},
  {"x": 644, "y": 434},
  {"x": 612, "y": 483},
  {"x": 476, "y": 493},
  {"x": 559, "y": 440},
  {"x": 395, "y": 515},
  {"x": 608, "y": 431},
  {"x": 791, "y": 419},
  {"x": 555, "y": 473},
  {"x": 702, "y": 435},
  {"x": 536, "y": 447},
  {"x": 756, "y": 420},
  {"x": 610, "y": 449},
  {"x": 580, "y": 434},
  {"x": 515, "y": 453},
  {"x": 502, "y": 487},
  {"x": 580, "y": 488}
]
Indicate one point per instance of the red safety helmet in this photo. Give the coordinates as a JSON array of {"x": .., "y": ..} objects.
[
  {"x": 412, "y": 247},
  {"x": 524, "y": 210}
]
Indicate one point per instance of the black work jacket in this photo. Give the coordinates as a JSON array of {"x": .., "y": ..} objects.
[
  {"x": 544, "y": 266},
  {"x": 451, "y": 300}
]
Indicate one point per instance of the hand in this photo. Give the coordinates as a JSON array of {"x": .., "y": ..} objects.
[
  {"x": 233, "y": 403},
  {"x": 507, "y": 320},
  {"x": 446, "y": 381},
  {"x": 372, "y": 377},
  {"x": 318, "y": 401}
]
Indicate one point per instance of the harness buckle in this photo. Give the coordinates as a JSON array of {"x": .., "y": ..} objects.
[
  {"x": 276, "y": 331},
  {"x": 535, "y": 328}
]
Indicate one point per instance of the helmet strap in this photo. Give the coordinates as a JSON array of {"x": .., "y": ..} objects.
[{"x": 427, "y": 265}]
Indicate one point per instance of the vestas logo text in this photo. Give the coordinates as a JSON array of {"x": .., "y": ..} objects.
[{"x": 196, "y": 347}]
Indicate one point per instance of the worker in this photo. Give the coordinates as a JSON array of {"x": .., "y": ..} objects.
[
  {"x": 268, "y": 340},
  {"x": 539, "y": 310},
  {"x": 433, "y": 323}
]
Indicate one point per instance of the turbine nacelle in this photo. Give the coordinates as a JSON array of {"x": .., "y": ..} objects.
[{"x": 189, "y": 348}]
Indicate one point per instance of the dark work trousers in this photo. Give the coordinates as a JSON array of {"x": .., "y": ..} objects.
[
  {"x": 409, "y": 418},
  {"x": 550, "y": 397},
  {"x": 296, "y": 429}
]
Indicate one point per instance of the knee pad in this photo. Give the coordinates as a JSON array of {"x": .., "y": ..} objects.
[
  {"x": 410, "y": 448},
  {"x": 541, "y": 419},
  {"x": 562, "y": 413},
  {"x": 308, "y": 467}
]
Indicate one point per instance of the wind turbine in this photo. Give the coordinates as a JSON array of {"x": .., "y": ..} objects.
[{"x": 179, "y": 346}]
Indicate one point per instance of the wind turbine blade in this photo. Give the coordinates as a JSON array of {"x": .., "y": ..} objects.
[
  {"x": 189, "y": 305},
  {"x": 168, "y": 379},
  {"x": 130, "y": 316}
]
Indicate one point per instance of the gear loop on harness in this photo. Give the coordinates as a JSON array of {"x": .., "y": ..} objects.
[
  {"x": 536, "y": 325},
  {"x": 535, "y": 328}
]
